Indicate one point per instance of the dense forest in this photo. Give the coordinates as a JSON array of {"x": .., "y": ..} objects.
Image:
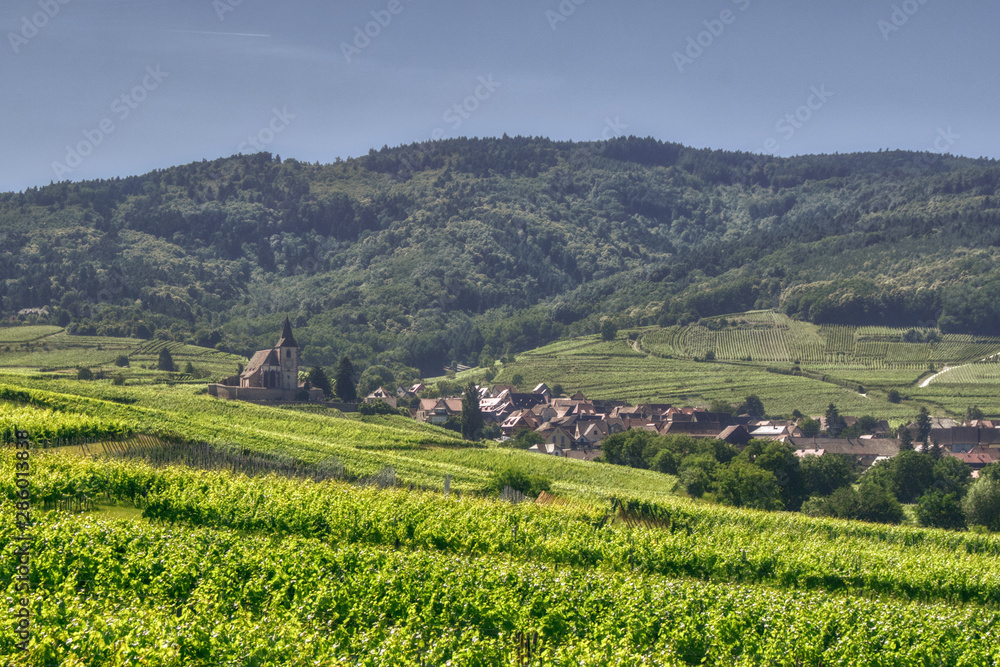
[{"x": 458, "y": 250}]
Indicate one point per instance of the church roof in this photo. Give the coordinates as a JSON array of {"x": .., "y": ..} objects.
[
  {"x": 262, "y": 358},
  {"x": 287, "y": 339}
]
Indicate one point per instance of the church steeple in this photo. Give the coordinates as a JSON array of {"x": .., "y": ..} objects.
[{"x": 287, "y": 339}]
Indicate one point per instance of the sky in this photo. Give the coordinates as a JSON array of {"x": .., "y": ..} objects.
[{"x": 104, "y": 88}]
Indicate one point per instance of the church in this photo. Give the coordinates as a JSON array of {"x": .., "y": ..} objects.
[{"x": 271, "y": 375}]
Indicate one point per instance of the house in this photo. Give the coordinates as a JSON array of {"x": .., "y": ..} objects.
[
  {"x": 546, "y": 448},
  {"x": 438, "y": 410},
  {"x": 978, "y": 458},
  {"x": 521, "y": 420},
  {"x": 270, "y": 375},
  {"x": 866, "y": 451},
  {"x": 736, "y": 435},
  {"x": 384, "y": 395},
  {"x": 557, "y": 436},
  {"x": 591, "y": 433},
  {"x": 773, "y": 432},
  {"x": 542, "y": 390}
]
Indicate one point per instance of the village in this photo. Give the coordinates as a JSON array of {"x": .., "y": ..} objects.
[
  {"x": 574, "y": 427},
  {"x": 547, "y": 422}
]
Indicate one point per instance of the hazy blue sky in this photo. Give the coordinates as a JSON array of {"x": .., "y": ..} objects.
[{"x": 141, "y": 84}]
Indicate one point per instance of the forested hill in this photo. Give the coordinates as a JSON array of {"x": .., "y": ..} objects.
[{"x": 458, "y": 249}]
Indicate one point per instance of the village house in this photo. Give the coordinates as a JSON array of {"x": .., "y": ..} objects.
[{"x": 384, "y": 395}]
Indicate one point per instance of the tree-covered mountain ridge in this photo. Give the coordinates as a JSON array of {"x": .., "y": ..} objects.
[{"x": 462, "y": 249}]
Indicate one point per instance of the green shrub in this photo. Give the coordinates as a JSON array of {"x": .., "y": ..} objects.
[{"x": 529, "y": 485}]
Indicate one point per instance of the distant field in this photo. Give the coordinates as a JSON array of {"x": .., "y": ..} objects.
[
  {"x": 983, "y": 373},
  {"x": 52, "y": 350},
  {"x": 22, "y": 334},
  {"x": 768, "y": 337},
  {"x": 834, "y": 363},
  {"x": 616, "y": 371}
]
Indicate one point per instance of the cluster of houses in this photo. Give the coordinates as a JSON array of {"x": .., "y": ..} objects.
[{"x": 575, "y": 427}]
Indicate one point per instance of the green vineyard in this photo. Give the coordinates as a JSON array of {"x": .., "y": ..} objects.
[
  {"x": 218, "y": 569},
  {"x": 767, "y": 337},
  {"x": 52, "y": 350}
]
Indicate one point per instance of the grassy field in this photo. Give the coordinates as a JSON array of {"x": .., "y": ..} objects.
[
  {"x": 766, "y": 337},
  {"x": 756, "y": 353},
  {"x": 34, "y": 349}
]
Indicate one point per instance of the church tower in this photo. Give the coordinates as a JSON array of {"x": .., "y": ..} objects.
[{"x": 288, "y": 351}]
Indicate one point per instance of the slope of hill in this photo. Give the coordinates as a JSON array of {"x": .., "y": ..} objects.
[
  {"x": 791, "y": 365},
  {"x": 222, "y": 569},
  {"x": 52, "y": 351},
  {"x": 420, "y": 255},
  {"x": 360, "y": 445}
]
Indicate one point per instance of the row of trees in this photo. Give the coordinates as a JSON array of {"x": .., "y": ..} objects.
[{"x": 768, "y": 475}]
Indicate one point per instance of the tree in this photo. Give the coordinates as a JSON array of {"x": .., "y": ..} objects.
[
  {"x": 936, "y": 509},
  {"x": 893, "y": 396},
  {"x": 374, "y": 377},
  {"x": 951, "y": 476},
  {"x": 743, "y": 484},
  {"x": 834, "y": 422},
  {"x": 810, "y": 427},
  {"x": 923, "y": 425},
  {"x": 317, "y": 378},
  {"x": 122, "y": 360},
  {"x": 189, "y": 368},
  {"x": 517, "y": 380},
  {"x": 526, "y": 439},
  {"x": 472, "y": 417},
  {"x": 529, "y": 485},
  {"x": 878, "y": 505},
  {"x": 905, "y": 438},
  {"x": 165, "y": 361},
  {"x": 982, "y": 503},
  {"x": 869, "y": 503},
  {"x": 84, "y": 374},
  {"x": 752, "y": 406},
  {"x": 822, "y": 475},
  {"x": 973, "y": 412},
  {"x": 608, "y": 330},
  {"x": 697, "y": 473},
  {"x": 634, "y": 448},
  {"x": 910, "y": 474},
  {"x": 345, "y": 381},
  {"x": 376, "y": 407},
  {"x": 780, "y": 460}
]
